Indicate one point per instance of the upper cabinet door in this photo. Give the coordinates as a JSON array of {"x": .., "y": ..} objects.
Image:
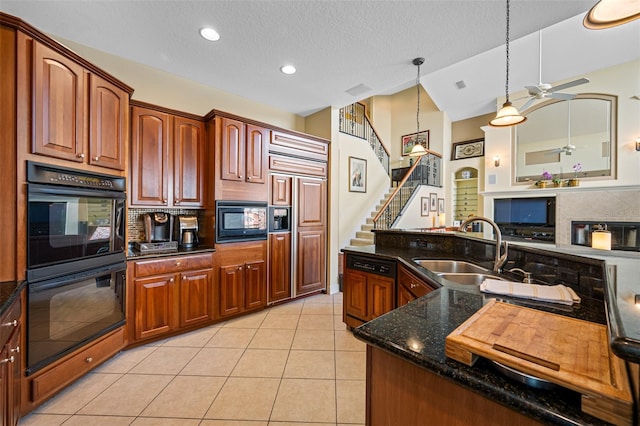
[
  {"x": 256, "y": 149},
  {"x": 232, "y": 137},
  {"x": 108, "y": 124},
  {"x": 58, "y": 109},
  {"x": 312, "y": 199},
  {"x": 188, "y": 162},
  {"x": 149, "y": 157}
]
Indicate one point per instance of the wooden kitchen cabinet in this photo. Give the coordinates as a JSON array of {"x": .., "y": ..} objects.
[
  {"x": 167, "y": 158},
  {"x": 169, "y": 294},
  {"x": 410, "y": 287},
  {"x": 242, "y": 277},
  {"x": 240, "y": 159},
  {"x": 280, "y": 190},
  {"x": 366, "y": 296},
  {"x": 10, "y": 364},
  {"x": 279, "y": 266},
  {"x": 310, "y": 236},
  {"x": 61, "y": 90}
]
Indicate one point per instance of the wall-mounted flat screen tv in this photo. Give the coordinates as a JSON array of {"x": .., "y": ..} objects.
[{"x": 539, "y": 211}]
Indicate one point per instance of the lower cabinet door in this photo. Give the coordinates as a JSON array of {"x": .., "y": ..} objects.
[
  {"x": 311, "y": 268},
  {"x": 195, "y": 297},
  {"x": 279, "y": 267},
  {"x": 355, "y": 295},
  {"x": 230, "y": 290},
  {"x": 381, "y": 298},
  {"x": 154, "y": 298},
  {"x": 255, "y": 276}
]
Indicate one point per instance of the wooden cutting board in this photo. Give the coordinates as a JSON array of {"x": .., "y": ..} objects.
[{"x": 566, "y": 351}]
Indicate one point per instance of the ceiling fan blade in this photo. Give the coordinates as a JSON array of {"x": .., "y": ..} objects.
[
  {"x": 533, "y": 90},
  {"x": 563, "y": 96},
  {"x": 554, "y": 151},
  {"x": 527, "y": 104},
  {"x": 520, "y": 98},
  {"x": 569, "y": 84}
]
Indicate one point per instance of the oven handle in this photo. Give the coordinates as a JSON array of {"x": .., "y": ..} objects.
[
  {"x": 36, "y": 188},
  {"x": 68, "y": 279}
]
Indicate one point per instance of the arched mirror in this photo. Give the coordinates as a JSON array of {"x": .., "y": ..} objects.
[{"x": 567, "y": 138}]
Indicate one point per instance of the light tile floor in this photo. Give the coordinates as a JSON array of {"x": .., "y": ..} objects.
[{"x": 293, "y": 364}]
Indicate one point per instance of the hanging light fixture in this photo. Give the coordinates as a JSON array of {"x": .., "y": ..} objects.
[
  {"x": 418, "y": 150},
  {"x": 508, "y": 114},
  {"x": 611, "y": 13}
]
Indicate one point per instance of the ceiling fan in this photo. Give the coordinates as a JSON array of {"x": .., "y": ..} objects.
[
  {"x": 546, "y": 90},
  {"x": 567, "y": 149}
]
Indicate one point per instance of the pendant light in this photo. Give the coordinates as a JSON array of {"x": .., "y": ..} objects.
[
  {"x": 417, "y": 150},
  {"x": 508, "y": 114}
]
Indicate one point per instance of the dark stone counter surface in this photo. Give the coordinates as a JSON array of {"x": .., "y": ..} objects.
[
  {"x": 416, "y": 332},
  {"x": 134, "y": 254},
  {"x": 9, "y": 291}
]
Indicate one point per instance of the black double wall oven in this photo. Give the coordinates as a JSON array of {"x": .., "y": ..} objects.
[{"x": 76, "y": 264}]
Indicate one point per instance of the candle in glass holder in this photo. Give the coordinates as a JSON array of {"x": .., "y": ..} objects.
[{"x": 441, "y": 220}]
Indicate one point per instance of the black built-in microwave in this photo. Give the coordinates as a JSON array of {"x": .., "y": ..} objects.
[{"x": 241, "y": 221}]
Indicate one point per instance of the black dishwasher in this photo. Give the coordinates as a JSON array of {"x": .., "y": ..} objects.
[{"x": 386, "y": 268}]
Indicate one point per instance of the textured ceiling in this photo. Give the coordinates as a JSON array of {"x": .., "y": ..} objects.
[{"x": 340, "y": 45}]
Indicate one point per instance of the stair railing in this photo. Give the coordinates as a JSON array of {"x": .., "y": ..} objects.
[
  {"x": 355, "y": 122},
  {"x": 426, "y": 171}
]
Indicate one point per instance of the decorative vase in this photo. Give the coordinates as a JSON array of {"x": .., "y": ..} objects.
[
  {"x": 542, "y": 184},
  {"x": 573, "y": 182}
]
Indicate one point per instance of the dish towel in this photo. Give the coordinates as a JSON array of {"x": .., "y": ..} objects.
[{"x": 547, "y": 293}]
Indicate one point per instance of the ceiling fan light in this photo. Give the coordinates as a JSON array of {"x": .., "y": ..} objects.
[
  {"x": 507, "y": 116},
  {"x": 610, "y": 13}
]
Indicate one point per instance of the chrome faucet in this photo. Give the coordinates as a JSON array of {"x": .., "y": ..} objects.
[{"x": 500, "y": 259}]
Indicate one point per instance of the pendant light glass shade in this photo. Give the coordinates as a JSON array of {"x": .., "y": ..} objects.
[
  {"x": 611, "y": 13},
  {"x": 417, "y": 151},
  {"x": 508, "y": 114}
]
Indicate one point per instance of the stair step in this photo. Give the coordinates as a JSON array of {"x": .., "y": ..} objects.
[
  {"x": 367, "y": 235},
  {"x": 360, "y": 242},
  {"x": 368, "y": 227}
]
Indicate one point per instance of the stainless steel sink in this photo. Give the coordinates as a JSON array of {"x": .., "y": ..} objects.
[
  {"x": 450, "y": 266},
  {"x": 468, "y": 278}
]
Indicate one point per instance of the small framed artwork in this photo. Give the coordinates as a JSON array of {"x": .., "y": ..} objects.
[
  {"x": 357, "y": 174},
  {"x": 433, "y": 202},
  {"x": 440, "y": 206},
  {"x": 425, "y": 203},
  {"x": 468, "y": 149},
  {"x": 408, "y": 141}
]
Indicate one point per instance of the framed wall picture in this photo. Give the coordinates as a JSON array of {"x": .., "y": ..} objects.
[
  {"x": 425, "y": 204},
  {"x": 467, "y": 149},
  {"x": 408, "y": 141},
  {"x": 433, "y": 202},
  {"x": 357, "y": 174},
  {"x": 440, "y": 206}
]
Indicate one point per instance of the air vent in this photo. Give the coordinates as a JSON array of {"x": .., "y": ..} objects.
[
  {"x": 461, "y": 84},
  {"x": 358, "y": 90}
]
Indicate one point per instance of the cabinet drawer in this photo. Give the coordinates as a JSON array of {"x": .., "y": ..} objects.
[
  {"x": 7, "y": 324},
  {"x": 144, "y": 268},
  {"x": 298, "y": 146},
  {"x": 413, "y": 284},
  {"x": 279, "y": 163},
  {"x": 70, "y": 369}
]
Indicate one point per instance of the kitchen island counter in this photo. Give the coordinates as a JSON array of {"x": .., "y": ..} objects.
[{"x": 416, "y": 333}]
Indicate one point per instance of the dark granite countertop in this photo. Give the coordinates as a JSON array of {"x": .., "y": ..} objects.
[
  {"x": 9, "y": 291},
  {"x": 416, "y": 332},
  {"x": 134, "y": 254}
]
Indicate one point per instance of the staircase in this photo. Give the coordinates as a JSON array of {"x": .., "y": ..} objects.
[{"x": 364, "y": 236}]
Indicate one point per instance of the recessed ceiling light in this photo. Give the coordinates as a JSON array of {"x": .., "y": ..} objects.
[
  {"x": 288, "y": 69},
  {"x": 210, "y": 34}
]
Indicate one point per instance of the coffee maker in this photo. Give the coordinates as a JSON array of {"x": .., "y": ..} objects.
[
  {"x": 188, "y": 231},
  {"x": 158, "y": 227}
]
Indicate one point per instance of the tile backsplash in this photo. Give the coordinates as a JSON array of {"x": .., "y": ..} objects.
[{"x": 135, "y": 223}]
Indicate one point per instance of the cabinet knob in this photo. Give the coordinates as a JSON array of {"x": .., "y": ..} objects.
[
  {"x": 240, "y": 176},
  {"x": 178, "y": 263},
  {"x": 96, "y": 158},
  {"x": 164, "y": 201},
  {"x": 248, "y": 267},
  {"x": 171, "y": 280},
  {"x": 414, "y": 285},
  {"x": 13, "y": 323},
  {"x": 249, "y": 178},
  {"x": 6, "y": 360},
  {"x": 81, "y": 155},
  {"x": 177, "y": 201},
  {"x": 239, "y": 268},
  {"x": 15, "y": 350},
  {"x": 88, "y": 359}
]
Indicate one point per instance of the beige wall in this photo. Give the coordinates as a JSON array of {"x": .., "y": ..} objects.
[
  {"x": 168, "y": 90},
  {"x": 470, "y": 128}
]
